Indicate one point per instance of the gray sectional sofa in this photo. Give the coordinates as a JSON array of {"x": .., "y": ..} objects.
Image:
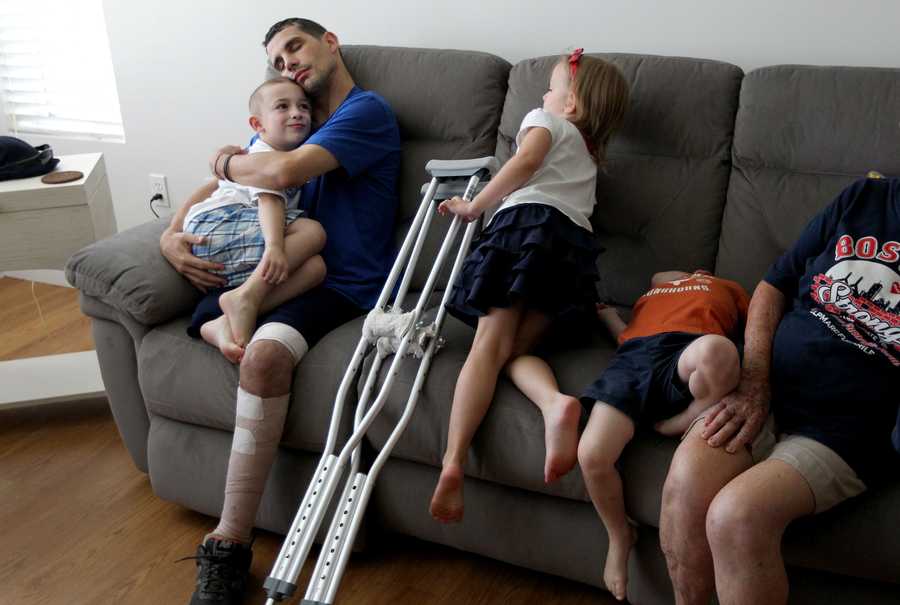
[{"x": 714, "y": 168}]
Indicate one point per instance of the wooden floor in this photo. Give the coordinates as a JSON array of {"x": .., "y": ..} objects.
[
  {"x": 80, "y": 524},
  {"x": 39, "y": 319}
]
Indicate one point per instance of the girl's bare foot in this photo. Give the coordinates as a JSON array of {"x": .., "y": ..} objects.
[
  {"x": 217, "y": 332},
  {"x": 615, "y": 572},
  {"x": 447, "y": 501},
  {"x": 561, "y": 437},
  {"x": 241, "y": 311}
]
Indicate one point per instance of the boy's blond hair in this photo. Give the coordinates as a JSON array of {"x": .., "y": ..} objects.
[{"x": 256, "y": 95}]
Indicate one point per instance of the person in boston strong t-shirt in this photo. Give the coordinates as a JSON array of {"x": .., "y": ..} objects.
[
  {"x": 822, "y": 352},
  {"x": 836, "y": 353}
]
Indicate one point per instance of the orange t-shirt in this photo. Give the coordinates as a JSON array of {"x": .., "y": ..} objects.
[{"x": 699, "y": 304}]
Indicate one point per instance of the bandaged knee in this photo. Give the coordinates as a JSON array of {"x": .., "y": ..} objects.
[
  {"x": 258, "y": 427},
  {"x": 285, "y": 335}
]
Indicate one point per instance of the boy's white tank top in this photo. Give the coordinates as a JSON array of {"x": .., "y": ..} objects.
[{"x": 229, "y": 193}]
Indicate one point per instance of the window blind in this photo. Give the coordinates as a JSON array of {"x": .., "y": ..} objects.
[{"x": 56, "y": 73}]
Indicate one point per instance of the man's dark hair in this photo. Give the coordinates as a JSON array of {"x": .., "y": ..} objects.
[{"x": 307, "y": 26}]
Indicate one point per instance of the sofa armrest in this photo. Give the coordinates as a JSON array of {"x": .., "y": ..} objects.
[{"x": 129, "y": 273}]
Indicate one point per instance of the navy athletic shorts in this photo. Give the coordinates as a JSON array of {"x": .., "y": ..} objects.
[{"x": 642, "y": 379}]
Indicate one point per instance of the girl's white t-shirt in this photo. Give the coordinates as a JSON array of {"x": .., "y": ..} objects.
[{"x": 567, "y": 180}]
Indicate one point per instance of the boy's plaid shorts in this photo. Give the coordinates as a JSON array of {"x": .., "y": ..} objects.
[{"x": 234, "y": 238}]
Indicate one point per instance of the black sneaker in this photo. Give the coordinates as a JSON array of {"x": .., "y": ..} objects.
[{"x": 222, "y": 577}]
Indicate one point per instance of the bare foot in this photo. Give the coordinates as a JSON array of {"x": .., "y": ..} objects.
[
  {"x": 447, "y": 501},
  {"x": 561, "y": 437},
  {"x": 217, "y": 332},
  {"x": 615, "y": 573},
  {"x": 679, "y": 423},
  {"x": 241, "y": 311}
]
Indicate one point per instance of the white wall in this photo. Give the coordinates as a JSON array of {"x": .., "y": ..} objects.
[{"x": 184, "y": 68}]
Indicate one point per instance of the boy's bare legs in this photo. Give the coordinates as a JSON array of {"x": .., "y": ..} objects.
[
  {"x": 608, "y": 431},
  {"x": 303, "y": 238},
  {"x": 217, "y": 332},
  {"x": 310, "y": 274},
  {"x": 561, "y": 412},
  {"x": 490, "y": 351},
  {"x": 711, "y": 368}
]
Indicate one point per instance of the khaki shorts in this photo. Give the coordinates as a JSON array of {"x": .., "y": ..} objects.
[{"x": 830, "y": 478}]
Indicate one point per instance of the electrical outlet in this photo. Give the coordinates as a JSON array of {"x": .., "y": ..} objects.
[{"x": 158, "y": 186}]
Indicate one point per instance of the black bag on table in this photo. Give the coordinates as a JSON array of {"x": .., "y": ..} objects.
[{"x": 19, "y": 160}]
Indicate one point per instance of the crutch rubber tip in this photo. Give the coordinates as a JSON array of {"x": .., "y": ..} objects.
[{"x": 278, "y": 590}]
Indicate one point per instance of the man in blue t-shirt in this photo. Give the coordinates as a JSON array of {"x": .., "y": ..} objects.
[
  {"x": 823, "y": 346},
  {"x": 348, "y": 169}
]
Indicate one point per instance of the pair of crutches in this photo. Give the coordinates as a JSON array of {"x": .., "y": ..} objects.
[{"x": 387, "y": 330}]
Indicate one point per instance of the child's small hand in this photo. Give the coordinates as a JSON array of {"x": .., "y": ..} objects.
[
  {"x": 606, "y": 312},
  {"x": 274, "y": 266},
  {"x": 461, "y": 208}
]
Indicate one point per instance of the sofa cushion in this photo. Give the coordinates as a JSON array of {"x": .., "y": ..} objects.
[
  {"x": 660, "y": 198},
  {"x": 802, "y": 134},
  {"x": 129, "y": 273},
  {"x": 185, "y": 379},
  {"x": 448, "y": 105}
]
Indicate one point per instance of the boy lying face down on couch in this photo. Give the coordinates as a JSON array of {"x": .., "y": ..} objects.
[{"x": 676, "y": 358}]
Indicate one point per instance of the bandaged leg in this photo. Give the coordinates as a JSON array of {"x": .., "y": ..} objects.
[
  {"x": 258, "y": 427},
  {"x": 257, "y": 432}
]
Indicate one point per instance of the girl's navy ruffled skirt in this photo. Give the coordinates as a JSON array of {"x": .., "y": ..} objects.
[{"x": 532, "y": 253}]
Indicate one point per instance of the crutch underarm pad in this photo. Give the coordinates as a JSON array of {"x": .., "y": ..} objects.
[{"x": 461, "y": 168}]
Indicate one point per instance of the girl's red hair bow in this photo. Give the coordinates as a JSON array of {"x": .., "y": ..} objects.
[{"x": 574, "y": 58}]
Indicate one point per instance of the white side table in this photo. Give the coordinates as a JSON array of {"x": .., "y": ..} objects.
[{"x": 40, "y": 227}]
